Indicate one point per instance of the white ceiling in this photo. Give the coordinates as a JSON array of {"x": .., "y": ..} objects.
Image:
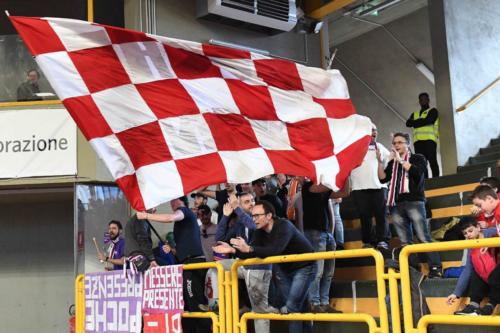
[{"x": 343, "y": 28}]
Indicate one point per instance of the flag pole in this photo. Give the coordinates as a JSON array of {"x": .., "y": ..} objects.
[
  {"x": 7, "y": 13},
  {"x": 90, "y": 11}
]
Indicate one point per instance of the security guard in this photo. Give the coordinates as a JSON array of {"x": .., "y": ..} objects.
[{"x": 425, "y": 125}]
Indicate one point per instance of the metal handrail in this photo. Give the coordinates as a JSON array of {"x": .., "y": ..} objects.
[
  {"x": 80, "y": 304},
  {"x": 381, "y": 289},
  {"x": 478, "y": 95},
  {"x": 219, "y": 321},
  {"x": 427, "y": 320},
  {"x": 338, "y": 317},
  {"x": 405, "y": 282}
]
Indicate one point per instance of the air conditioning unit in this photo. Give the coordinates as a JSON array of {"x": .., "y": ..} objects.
[{"x": 277, "y": 15}]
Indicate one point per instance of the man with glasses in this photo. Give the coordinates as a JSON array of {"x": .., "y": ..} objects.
[
  {"x": 275, "y": 236},
  {"x": 237, "y": 223},
  {"x": 406, "y": 198}
]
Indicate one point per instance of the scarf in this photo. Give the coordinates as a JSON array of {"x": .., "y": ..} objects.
[{"x": 404, "y": 186}]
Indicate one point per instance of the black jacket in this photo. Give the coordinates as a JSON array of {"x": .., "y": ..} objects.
[
  {"x": 416, "y": 178},
  {"x": 138, "y": 237}
]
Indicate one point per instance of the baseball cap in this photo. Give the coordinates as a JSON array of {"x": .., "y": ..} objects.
[{"x": 198, "y": 194}]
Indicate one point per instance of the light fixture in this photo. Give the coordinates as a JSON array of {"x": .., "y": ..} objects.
[
  {"x": 375, "y": 10},
  {"x": 425, "y": 71},
  {"x": 238, "y": 46}
]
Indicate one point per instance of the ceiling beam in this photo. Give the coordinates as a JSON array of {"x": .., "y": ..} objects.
[{"x": 318, "y": 10}]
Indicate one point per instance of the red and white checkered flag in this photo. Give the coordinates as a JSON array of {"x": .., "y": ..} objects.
[{"x": 168, "y": 116}]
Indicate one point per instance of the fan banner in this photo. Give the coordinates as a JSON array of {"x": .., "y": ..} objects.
[
  {"x": 163, "y": 290},
  {"x": 113, "y": 302},
  {"x": 169, "y": 116}
]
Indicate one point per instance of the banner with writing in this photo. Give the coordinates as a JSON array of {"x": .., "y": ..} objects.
[
  {"x": 169, "y": 322},
  {"x": 39, "y": 142},
  {"x": 163, "y": 290},
  {"x": 113, "y": 302}
]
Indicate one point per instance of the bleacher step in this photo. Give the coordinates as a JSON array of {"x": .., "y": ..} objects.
[
  {"x": 477, "y": 167},
  {"x": 483, "y": 158},
  {"x": 489, "y": 150},
  {"x": 495, "y": 142},
  {"x": 462, "y": 178}
]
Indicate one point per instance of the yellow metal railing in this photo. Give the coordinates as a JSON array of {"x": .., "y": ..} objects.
[
  {"x": 218, "y": 321},
  {"x": 456, "y": 320},
  {"x": 393, "y": 277},
  {"x": 228, "y": 319},
  {"x": 80, "y": 304},
  {"x": 240, "y": 326},
  {"x": 344, "y": 317},
  {"x": 405, "y": 286}
]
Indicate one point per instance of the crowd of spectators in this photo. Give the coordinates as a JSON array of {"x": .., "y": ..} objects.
[{"x": 282, "y": 214}]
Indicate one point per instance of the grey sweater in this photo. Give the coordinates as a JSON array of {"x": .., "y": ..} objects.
[{"x": 138, "y": 237}]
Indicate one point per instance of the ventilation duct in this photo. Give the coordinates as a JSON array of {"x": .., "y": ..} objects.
[{"x": 262, "y": 15}]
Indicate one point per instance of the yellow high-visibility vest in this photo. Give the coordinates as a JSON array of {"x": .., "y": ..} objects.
[{"x": 428, "y": 132}]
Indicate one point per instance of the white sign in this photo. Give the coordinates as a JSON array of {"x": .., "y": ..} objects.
[{"x": 39, "y": 142}]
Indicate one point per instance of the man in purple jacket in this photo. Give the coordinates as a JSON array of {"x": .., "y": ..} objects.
[{"x": 116, "y": 247}]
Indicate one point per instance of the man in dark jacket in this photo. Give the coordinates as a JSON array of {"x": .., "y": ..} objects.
[
  {"x": 138, "y": 238},
  {"x": 406, "y": 197},
  {"x": 27, "y": 90},
  {"x": 188, "y": 251},
  {"x": 273, "y": 237}
]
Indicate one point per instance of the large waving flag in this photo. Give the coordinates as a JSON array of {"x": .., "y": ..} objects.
[{"x": 168, "y": 116}]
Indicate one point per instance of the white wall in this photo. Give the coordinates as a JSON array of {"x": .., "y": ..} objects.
[{"x": 472, "y": 31}]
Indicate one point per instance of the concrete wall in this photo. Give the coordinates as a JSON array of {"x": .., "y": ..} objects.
[
  {"x": 178, "y": 19},
  {"x": 384, "y": 66},
  {"x": 36, "y": 270},
  {"x": 472, "y": 32}
]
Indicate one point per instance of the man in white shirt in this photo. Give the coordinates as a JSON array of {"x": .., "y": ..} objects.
[{"x": 369, "y": 194}]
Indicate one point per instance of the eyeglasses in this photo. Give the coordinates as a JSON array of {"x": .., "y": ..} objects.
[{"x": 256, "y": 216}]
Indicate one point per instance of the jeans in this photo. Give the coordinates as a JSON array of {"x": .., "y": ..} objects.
[
  {"x": 295, "y": 285},
  {"x": 408, "y": 216},
  {"x": 339, "y": 225},
  {"x": 479, "y": 289},
  {"x": 320, "y": 288},
  {"x": 257, "y": 282},
  {"x": 371, "y": 203}
]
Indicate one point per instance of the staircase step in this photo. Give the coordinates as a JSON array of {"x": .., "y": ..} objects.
[
  {"x": 463, "y": 178},
  {"x": 451, "y": 190},
  {"x": 361, "y": 296},
  {"x": 482, "y": 158},
  {"x": 281, "y": 326},
  {"x": 489, "y": 150},
  {"x": 495, "y": 142},
  {"x": 478, "y": 167}
]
